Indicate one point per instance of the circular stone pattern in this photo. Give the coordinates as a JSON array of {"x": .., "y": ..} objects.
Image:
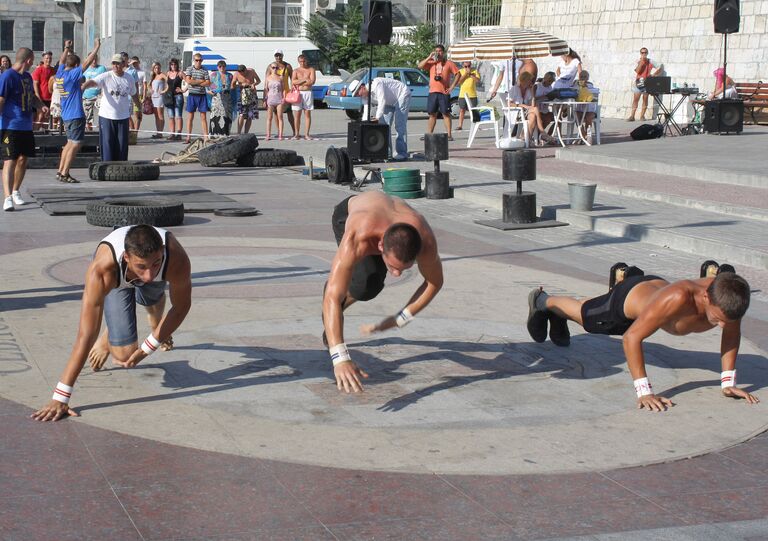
[{"x": 462, "y": 389}]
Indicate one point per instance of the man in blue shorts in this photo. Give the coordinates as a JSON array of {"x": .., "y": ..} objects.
[
  {"x": 198, "y": 80},
  {"x": 17, "y": 143},
  {"x": 68, "y": 79},
  {"x": 132, "y": 265}
]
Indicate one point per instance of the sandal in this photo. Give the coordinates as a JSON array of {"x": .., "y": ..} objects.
[{"x": 68, "y": 179}]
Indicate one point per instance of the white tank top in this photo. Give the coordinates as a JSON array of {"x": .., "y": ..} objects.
[{"x": 116, "y": 243}]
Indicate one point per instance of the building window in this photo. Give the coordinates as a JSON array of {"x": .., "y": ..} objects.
[
  {"x": 38, "y": 35},
  {"x": 286, "y": 18},
  {"x": 192, "y": 18},
  {"x": 6, "y": 36},
  {"x": 67, "y": 32}
]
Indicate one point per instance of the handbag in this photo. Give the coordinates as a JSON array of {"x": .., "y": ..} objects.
[
  {"x": 169, "y": 100},
  {"x": 146, "y": 107},
  {"x": 293, "y": 97}
]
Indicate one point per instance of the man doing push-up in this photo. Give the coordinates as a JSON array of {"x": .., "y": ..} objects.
[{"x": 639, "y": 306}]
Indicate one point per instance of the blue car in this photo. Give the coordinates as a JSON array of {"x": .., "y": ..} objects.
[{"x": 336, "y": 97}]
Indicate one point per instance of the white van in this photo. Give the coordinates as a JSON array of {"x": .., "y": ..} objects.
[{"x": 257, "y": 53}]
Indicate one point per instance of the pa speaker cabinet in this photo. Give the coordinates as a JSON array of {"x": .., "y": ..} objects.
[
  {"x": 726, "y": 17},
  {"x": 724, "y": 116},
  {"x": 377, "y": 22},
  {"x": 368, "y": 141}
]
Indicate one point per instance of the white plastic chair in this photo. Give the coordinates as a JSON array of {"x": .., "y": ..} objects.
[
  {"x": 475, "y": 124},
  {"x": 515, "y": 116}
]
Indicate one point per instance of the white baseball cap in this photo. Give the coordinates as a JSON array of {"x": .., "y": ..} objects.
[
  {"x": 279, "y": 51},
  {"x": 353, "y": 87}
]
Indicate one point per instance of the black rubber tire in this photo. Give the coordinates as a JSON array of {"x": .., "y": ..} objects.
[
  {"x": 354, "y": 114},
  {"x": 241, "y": 212},
  {"x": 268, "y": 157},
  {"x": 119, "y": 171},
  {"x": 228, "y": 150},
  {"x": 121, "y": 212}
]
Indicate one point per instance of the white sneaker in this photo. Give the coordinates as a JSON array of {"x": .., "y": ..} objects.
[
  {"x": 17, "y": 200},
  {"x": 8, "y": 203}
]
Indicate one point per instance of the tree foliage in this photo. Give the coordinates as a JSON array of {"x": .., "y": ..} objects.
[{"x": 337, "y": 34}]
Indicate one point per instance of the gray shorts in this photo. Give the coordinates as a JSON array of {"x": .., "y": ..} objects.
[{"x": 120, "y": 310}]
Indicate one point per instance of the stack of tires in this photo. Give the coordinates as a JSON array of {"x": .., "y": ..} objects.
[
  {"x": 244, "y": 151},
  {"x": 404, "y": 183}
]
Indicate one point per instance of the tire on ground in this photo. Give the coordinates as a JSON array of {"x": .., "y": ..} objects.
[
  {"x": 268, "y": 157},
  {"x": 155, "y": 211},
  {"x": 228, "y": 150},
  {"x": 117, "y": 171}
]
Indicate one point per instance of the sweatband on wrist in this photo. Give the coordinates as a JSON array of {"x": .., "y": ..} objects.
[
  {"x": 339, "y": 354},
  {"x": 727, "y": 378},
  {"x": 403, "y": 318},
  {"x": 643, "y": 387},
  {"x": 62, "y": 393},
  {"x": 150, "y": 344}
]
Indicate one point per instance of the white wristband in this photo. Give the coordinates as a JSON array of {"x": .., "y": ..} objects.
[
  {"x": 643, "y": 387},
  {"x": 339, "y": 354},
  {"x": 727, "y": 378},
  {"x": 62, "y": 393},
  {"x": 403, "y": 318},
  {"x": 150, "y": 344}
]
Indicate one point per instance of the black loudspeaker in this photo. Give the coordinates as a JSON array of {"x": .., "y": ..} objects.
[
  {"x": 724, "y": 116},
  {"x": 377, "y": 22},
  {"x": 367, "y": 141},
  {"x": 726, "y": 17}
]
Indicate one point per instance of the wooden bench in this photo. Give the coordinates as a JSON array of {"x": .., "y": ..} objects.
[{"x": 755, "y": 96}]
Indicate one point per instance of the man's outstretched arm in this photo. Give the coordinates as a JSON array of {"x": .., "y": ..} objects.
[
  {"x": 431, "y": 268},
  {"x": 729, "y": 349},
  {"x": 345, "y": 370},
  {"x": 97, "y": 285},
  {"x": 662, "y": 310}
]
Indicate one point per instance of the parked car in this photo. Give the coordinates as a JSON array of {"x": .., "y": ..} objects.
[{"x": 337, "y": 94}]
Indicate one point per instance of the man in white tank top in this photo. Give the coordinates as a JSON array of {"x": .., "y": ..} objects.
[{"x": 131, "y": 265}]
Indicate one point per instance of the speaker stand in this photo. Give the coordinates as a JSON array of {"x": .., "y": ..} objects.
[{"x": 370, "y": 83}]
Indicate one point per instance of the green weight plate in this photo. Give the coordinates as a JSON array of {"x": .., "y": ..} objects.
[
  {"x": 402, "y": 185},
  {"x": 400, "y": 173},
  {"x": 408, "y": 195}
]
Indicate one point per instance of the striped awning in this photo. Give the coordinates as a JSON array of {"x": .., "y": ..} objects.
[{"x": 504, "y": 43}]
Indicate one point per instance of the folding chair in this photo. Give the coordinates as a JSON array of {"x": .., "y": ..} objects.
[{"x": 476, "y": 123}]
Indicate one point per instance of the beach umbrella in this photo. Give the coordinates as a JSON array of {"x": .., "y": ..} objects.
[{"x": 507, "y": 43}]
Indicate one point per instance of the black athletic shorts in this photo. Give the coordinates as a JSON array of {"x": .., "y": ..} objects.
[
  {"x": 605, "y": 314},
  {"x": 369, "y": 274},
  {"x": 15, "y": 143}
]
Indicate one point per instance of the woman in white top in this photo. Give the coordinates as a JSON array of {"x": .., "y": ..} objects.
[
  {"x": 159, "y": 83},
  {"x": 568, "y": 69},
  {"x": 521, "y": 95}
]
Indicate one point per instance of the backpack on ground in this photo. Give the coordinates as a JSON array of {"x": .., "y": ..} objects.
[{"x": 647, "y": 131}]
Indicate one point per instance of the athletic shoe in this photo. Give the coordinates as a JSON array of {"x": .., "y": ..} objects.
[
  {"x": 537, "y": 320},
  {"x": 8, "y": 203},
  {"x": 17, "y": 200},
  {"x": 558, "y": 330}
]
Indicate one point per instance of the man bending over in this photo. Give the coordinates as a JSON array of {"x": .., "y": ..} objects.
[
  {"x": 376, "y": 234},
  {"x": 132, "y": 265}
]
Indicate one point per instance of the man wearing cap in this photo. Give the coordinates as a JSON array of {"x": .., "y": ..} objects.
[
  {"x": 393, "y": 100},
  {"x": 134, "y": 68},
  {"x": 284, "y": 70},
  {"x": 119, "y": 92}
]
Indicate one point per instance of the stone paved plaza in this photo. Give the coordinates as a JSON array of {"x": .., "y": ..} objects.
[{"x": 467, "y": 429}]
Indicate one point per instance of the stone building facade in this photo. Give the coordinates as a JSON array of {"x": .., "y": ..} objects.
[
  {"x": 608, "y": 35},
  {"x": 39, "y": 24}
]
